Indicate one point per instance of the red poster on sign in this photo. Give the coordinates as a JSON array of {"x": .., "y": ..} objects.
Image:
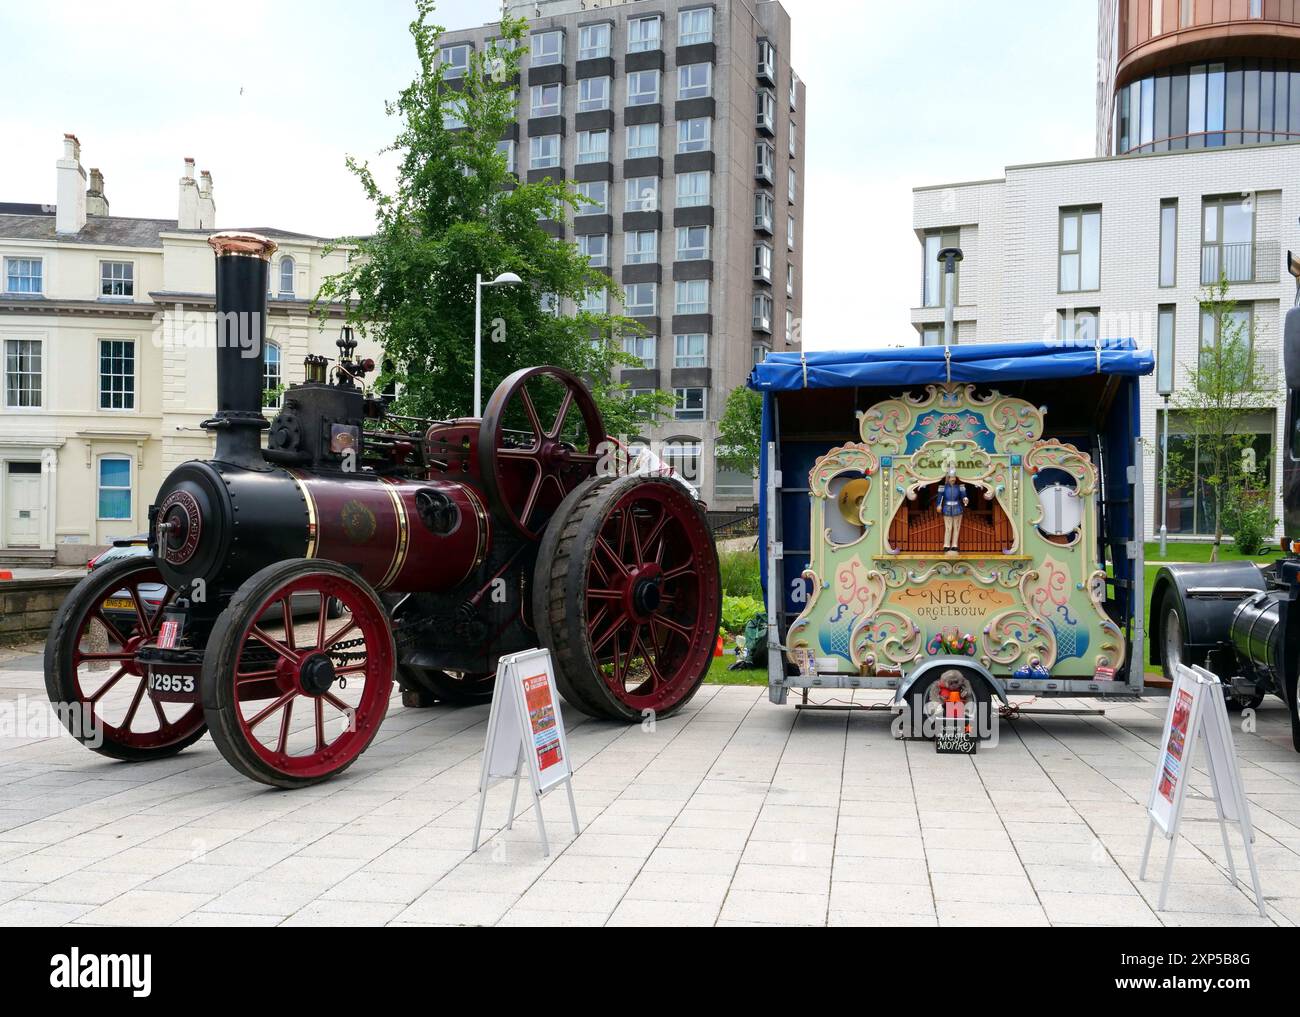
[
  {"x": 541, "y": 717},
  {"x": 1177, "y": 744}
]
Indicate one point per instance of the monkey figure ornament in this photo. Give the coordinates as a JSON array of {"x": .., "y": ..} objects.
[{"x": 950, "y": 503}]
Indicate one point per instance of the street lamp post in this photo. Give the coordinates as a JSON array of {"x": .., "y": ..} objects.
[
  {"x": 504, "y": 279},
  {"x": 949, "y": 257}
]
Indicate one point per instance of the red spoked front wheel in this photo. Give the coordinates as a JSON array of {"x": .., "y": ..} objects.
[
  {"x": 628, "y": 597},
  {"x": 92, "y": 673},
  {"x": 292, "y": 696}
]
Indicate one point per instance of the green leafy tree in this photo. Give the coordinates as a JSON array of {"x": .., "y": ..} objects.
[
  {"x": 456, "y": 211},
  {"x": 740, "y": 431},
  {"x": 1221, "y": 388}
]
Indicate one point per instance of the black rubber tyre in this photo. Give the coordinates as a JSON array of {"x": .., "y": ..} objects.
[
  {"x": 918, "y": 695},
  {"x": 561, "y": 598},
  {"x": 220, "y": 666},
  {"x": 1293, "y": 694},
  {"x": 450, "y": 687},
  {"x": 61, "y": 683}
]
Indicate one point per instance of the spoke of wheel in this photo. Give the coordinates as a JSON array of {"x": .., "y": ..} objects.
[
  {"x": 531, "y": 410},
  {"x": 518, "y": 454},
  {"x": 597, "y": 644},
  {"x": 561, "y": 413},
  {"x": 533, "y": 491},
  {"x": 242, "y": 678},
  {"x": 340, "y": 633},
  {"x": 600, "y": 569},
  {"x": 139, "y": 610},
  {"x": 286, "y": 613},
  {"x": 680, "y": 570},
  {"x": 135, "y": 705},
  {"x": 683, "y": 630},
  {"x": 657, "y": 531},
  {"x": 163, "y": 604},
  {"x": 339, "y": 705},
  {"x": 652, "y": 656},
  {"x": 284, "y": 727},
  {"x": 320, "y": 725},
  {"x": 117, "y": 677},
  {"x": 636, "y": 536},
  {"x": 604, "y": 594},
  {"x": 112, "y": 629},
  {"x": 265, "y": 712},
  {"x": 271, "y": 642},
  {"x": 603, "y": 545},
  {"x": 157, "y": 708},
  {"x": 321, "y": 617},
  {"x": 83, "y": 657}
]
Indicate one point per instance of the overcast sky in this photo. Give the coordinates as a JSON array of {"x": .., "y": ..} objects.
[{"x": 270, "y": 96}]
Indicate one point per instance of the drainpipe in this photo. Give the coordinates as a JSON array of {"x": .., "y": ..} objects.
[{"x": 949, "y": 256}]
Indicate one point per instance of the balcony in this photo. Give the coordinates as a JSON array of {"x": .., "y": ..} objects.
[{"x": 1240, "y": 263}]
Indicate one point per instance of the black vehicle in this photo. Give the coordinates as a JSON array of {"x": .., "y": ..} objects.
[{"x": 1239, "y": 620}]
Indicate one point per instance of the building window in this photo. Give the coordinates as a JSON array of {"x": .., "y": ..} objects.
[
  {"x": 763, "y": 261},
  {"x": 764, "y": 161},
  {"x": 792, "y": 143},
  {"x": 764, "y": 211},
  {"x": 931, "y": 335},
  {"x": 644, "y": 34},
  {"x": 765, "y": 120},
  {"x": 791, "y": 184},
  {"x": 691, "y": 350},
  {"x": 1190, "y": 508},
  {"x": 1227, "y": 240},
  {"x": 545, "y": 101},
  {"x": 692, "y": 243},
  {"x": 766, "y": 60},
  {"x": 642, "y": 194},
  {"x": 116, "y": 374},
  {"x": 1169, "y": 242},
  {"x": 641, "y": 247},
  {"x": 114, "y": 487},
  {"x": 544, "y": 151},
  {"x": 116, "y": 279},
  {"x": 547, "y": 48},
  {"x": 789, "y": 280},
  {"x": 642, "y": 141},
  {"x": 594, "y": 302},
  {"x": 1166, "y": 360},
  {"x": 932, "y": 268},
  {"x": 1230, "y": 334},
  {"x": 730, "y": 482},
  {"x": 286, "y": 277},
  {"x": 453, "y": 117},
  {"x": 691, "y": 296},
  {"x": 1080, "y": 240},
  {"x": 694, "y": 135},
  {"x": 593, "y": 94},
  {"x": 642, "y": 347},
  {"x": 694, "y": 81},
  {"x": 758, "y": 352},
  {"x": 593, "y": 41},
  {"x": 454, "y": 60},
  {"x": 593, "y": 146},
  {"x": 789, "y": 232},
  {"x": 597, "y": 194},
  {"x": 507, "y": 148},
  {"x": 689, "y": 406},
  {"x": 23, "y": 275},
  {"x": 272, "y": 376},
  {"x": 549, "y": 303},
  {"x": 762, "y": 313},
  {"x": 794, "y": 90},
  {"x": 789, "y": 325},
  {"x": 643, "y": 88},
  {"x": 23, "y": 373},
  {"x": 1078, "y": 325},
  {"x": 695, "y": 26},
  {"x": 641, "y": 300},
  {"x": 595, "y": 248},
  {"x": 693, "y": 188}
]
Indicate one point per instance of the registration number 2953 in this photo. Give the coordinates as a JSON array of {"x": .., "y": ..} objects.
[{"x": 171, "y": 684}]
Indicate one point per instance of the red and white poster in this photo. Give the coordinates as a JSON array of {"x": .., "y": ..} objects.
[
  {"x": 1176, "y": 746},
  {"x": 541, "y": 720}
]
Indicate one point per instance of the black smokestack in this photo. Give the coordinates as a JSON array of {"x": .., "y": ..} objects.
[{"x": 243, "y": 261}]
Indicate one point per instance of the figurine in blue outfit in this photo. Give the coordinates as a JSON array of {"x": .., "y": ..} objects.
[{"x": 950, "y": 503}]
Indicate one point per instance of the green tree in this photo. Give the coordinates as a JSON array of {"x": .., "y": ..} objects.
[
  {"x": 1221, "y": 388},
  {"x": 740, "y": 431},
  {"x": 456, "y": 211}
]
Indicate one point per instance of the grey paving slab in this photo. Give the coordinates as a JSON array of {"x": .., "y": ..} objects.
[{"x": 734, "y": 812}]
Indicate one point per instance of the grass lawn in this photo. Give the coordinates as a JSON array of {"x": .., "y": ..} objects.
[{"x": 719, "y": 675}]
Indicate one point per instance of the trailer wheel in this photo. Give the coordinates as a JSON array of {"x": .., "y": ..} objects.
[
  {"x": 925, "y": 706},
  {"x": 628, "y": 597},
  {"x": 1175, "y": 645},
  {"x": 93, "y": 678},
  {"x": 293, "y": 703}
]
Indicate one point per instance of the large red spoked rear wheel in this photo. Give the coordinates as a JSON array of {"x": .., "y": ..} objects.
[
  {"x": 540, "y": 438},
  {"x": 292, "y": 700},
  {"x": 628, "y": 597},
  {"x": 92, "y": 674}
]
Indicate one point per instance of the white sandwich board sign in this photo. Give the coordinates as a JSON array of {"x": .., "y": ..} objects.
[
  {"x": 1197, "y": 707},
  {"x": 526, "y": 732}
]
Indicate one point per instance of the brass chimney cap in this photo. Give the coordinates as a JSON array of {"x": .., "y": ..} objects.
[{"x": 248, "y": 245}]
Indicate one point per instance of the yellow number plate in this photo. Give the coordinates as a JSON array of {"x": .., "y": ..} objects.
[{"x": 119, "y": 604}]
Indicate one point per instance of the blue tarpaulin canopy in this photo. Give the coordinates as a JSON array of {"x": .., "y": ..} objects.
[
  {"x": 1114, "y": 428},
  {"x": 978, "y": 362}
]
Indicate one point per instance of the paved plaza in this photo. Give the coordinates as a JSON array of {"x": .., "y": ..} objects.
[{"x": 734, "y": 812}]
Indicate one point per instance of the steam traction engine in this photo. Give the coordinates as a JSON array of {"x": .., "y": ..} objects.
[{"x": 288, "y": 586}]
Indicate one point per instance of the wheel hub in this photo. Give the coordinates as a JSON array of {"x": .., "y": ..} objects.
[
  {"x": 645, "y": 590},
  {"x": 316, "y": 674}
]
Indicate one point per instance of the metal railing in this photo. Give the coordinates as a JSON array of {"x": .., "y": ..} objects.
[{"x": 1240, "y": 263}]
